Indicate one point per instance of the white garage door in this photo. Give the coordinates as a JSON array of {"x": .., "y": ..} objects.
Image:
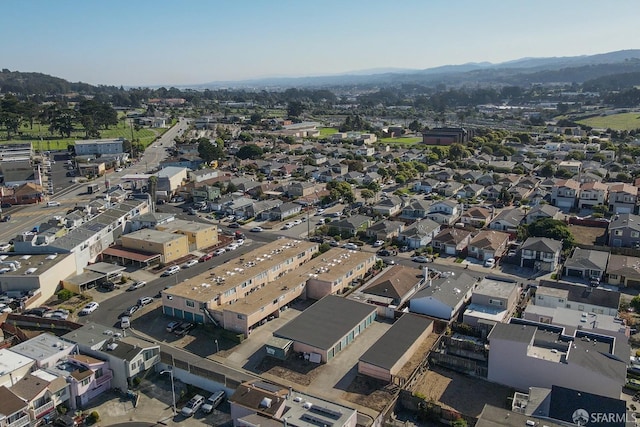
[
  {"x": 564, "y": 204},
  {"x": 450, "y": 250}
]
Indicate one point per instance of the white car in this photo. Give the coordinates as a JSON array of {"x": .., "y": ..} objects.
[
  {"x": 240, "y": 242},
  {"x": 378, "y": 243},
  {"x": 218, "y": 252},
  {"x": 118, "y": 169},
  {"x": 190, "y": 263},
  {"x": 89, "y": 308},
  {"x": 420, "y": 259},
  {"x": 231, "y": 247},
  {"x": 490, "y": 263},
  {"x": 297, "y": 222},
  {"x": 171, "y": 270},
  {"x": 351, "y": 246},
  {"x": 256, "y": 229},
  {"x": 287, "y": 226}
]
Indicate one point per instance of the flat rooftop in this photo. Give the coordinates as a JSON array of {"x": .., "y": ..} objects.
[
  {"x": 330, "y": 267},
  {"x": 10, "y": 361},
  {"x": 188, "y": 226},
  {"x": 495, "y": 288},
  {"x": 304, "y": 410},
  {"x": 42, "y": 347},
  {"x": 155, "y": 236},
  {"x": 29, "y": 264},
  {"x": 207, "y": 286}
]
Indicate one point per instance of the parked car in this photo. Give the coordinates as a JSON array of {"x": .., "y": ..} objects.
[
  {"x": 144, "y": 301},
  {"x": 119, "y": 169},
  {"x": 334, "y": 244},
  {"x": 4, "y": 247},
  {"x": 206, "y": 257},
  {"x": 234, "y": 225},
  {"x": 6, "y": 218},
  {"x": 184, "y": 328},
  {"x": 89, "y": 308},
  {"x": 107, "y": 286},
  {"x": 171, "y": 270},
  {"x": 351, "y": 246},
  {"x": 384, "y": 252},
  {"x": 213, "y": 401},
  {"x": 378, "y": 243},
  {"x": 190, "y": 263},
  {"x": 490, "y": 262},
  {"x": 231, "y": 247},
  {"x": 420, "y": 259},
  {"x": 136, "y": 285},
  {"x": 129, "y": 311},
  {"x": 172, "y": 326},
  {"x": 388, "y": 261},
  {"x": 218, "y": 252},
  {"x": 257, "y": 229},
  {"x": 192, "y": 405},
  {"x": 53, "y": 203},
  {"x": 125, "y": 322},
  {"x": 5, "y": 205}
]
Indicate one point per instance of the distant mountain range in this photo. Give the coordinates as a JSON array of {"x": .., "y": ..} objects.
[{"x": 524, "y": 71}]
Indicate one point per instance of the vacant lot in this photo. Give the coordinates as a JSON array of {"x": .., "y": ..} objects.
[
  {"x": 623, "y": 121},
  {"x": 293, "y": 369},
  {"x": 587, "y": 235},
  {"x": 464, "y": 394}
]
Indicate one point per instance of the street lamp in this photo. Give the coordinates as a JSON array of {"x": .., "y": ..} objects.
[
  {"x": 173, "y": 389},
  {"x": 217, "y": 348}
]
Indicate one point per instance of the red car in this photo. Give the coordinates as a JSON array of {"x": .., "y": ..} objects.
[{"x": 206, "y": 257}]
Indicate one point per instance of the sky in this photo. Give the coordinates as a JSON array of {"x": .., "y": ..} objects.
[{"x": 158, "y": 42}]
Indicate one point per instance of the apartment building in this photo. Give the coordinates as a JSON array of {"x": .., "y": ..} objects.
[{"x": 205, "y": 298}]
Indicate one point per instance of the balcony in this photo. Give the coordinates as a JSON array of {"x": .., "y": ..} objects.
[
  {"x": 44, "y": 409},
  {"x": 103, "y": 379},
  {"x": 20, "y": 422}
]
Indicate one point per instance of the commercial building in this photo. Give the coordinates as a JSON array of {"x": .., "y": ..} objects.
[
  {"x": 327, "y": 327},
  {"x": 99, "y": 147},
  {"x": 39, "y": 275},
  {"x": 385, "y": 359},
  {"x": 170, "y": 246},
  {"x": 199, "y": 235}
]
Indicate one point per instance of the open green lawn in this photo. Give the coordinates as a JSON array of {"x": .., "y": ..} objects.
[
  {"x": 327, "y": 131},
  {"x": 622, "y": 121},
  {"x": 412, "y": 140},
  {"x": 43, "y": 140}
]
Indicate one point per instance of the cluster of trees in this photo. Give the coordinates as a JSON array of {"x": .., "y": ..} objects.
[
  {"x": 551, "y": 228},
  {"x": 90, "y": 115},
  {"x": 339, "y": 190},
  {"x": 353, "y": 122}
]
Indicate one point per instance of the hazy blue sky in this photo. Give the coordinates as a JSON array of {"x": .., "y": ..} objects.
[{"x": 140, "y": 42}]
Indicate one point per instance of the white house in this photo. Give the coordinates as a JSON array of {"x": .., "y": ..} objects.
[{"x": 443, "y": 298}]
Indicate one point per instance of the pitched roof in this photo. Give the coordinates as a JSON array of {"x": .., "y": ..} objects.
[
  {"x": 587, "y": 259},
  {"x": 542, "y": 244},
  {"x": 512, "y": 216},
  {"x": 10, "y": 402},
  {"x": 489, "y": 239},
  {"x": 394, "y": 283},
  {"x": 625, "y": 220},
  {"x": 624, "y": 265},
  {"x": 477, "y": 213},
  {"x": 570, "y": 183},
  {"x": 29, "y": 387},
  {"x": 451, "y": 236},
  {"x": 448, "y": 290},
  {"x": 564, "y": 401}
]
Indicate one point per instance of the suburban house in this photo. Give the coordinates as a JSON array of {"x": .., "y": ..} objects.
[
  {"x": 564, "y": 194},
  {"x": 450, "y": 189},
  {"x": 452, "y": 241},
  {"x": 416, "y": 209},
  {"x": 624, "y": 231},
  {"x": 385, "y": 229},
  {"x": 471, "y": 191},
  {"x": 284, "y": 211},
  {"x": 587, "y": 264},
  {"x": 426, "y": 185},
  {"x": 624, "y": 271},
  {"x": 443, "y": 298},
  {"x": 508, "y": 220},
  {"x": 390, "y": 290},
  {"x": 301, "y": 189},
  {"x": 488, "y": 244},
  {"x": 529, "y": 354},
  {"x": 623, "y": 198},
  {"x": 492, "y": 301},
  {"x": 388, "y": 206},
  {"x": 419, "y": 234},
  {"x": 540, "y": 253},
  {"x": 444, "y": 212},
  {"x": 551, "y": 293},
  {"x": 87, "y": 376},
  {"x": 14, "y": 409},
  {"x": 476, "y": 217},
  {"x": 350, "y": 226},
  {"x": 592, "y": 194},
  {"x": 261, "y": 209},
  {"x": 543, "y": 211}
]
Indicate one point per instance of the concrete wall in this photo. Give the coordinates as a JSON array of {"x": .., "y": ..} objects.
[
  {"x": 177, "y": 248},
  {"x": 374, "y": 371},
  {"x": 430, "y": 306}
]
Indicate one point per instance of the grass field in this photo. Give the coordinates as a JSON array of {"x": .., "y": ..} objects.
[
  {"x": 43, "y": 140},
  {"x": 324, "y": 132},
  {"x": 412, "y": 140},
  {"x": 622, "y": 121}
]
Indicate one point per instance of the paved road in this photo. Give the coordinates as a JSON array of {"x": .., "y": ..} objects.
[{"x": 24, "y": 218}]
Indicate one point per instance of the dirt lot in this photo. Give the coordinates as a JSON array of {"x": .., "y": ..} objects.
[
  {"x": 587, "y": 235},
  {"x": 293, "y": 369},
  {"x": 368, "y": 392},
  {"x": 461, "y": 393}
]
